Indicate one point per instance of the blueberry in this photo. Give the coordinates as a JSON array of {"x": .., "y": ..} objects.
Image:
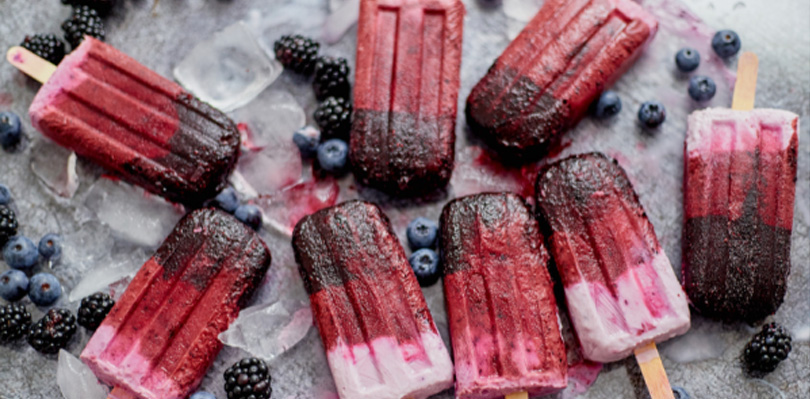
[
  {"x": 425, "y": 265},
  {"x": 333, "y": 155},
  {"x": 687, "y": 59},
  {"x": 13, "y": 285},
  {"x": 726, "y": 43},
  {"x": 5, "y": 195},
  {"x": 680, "y": 393},
  {"x": 609, "y": 104},
  {"x": 44, "y": 289},
  {"x": 20, "y": 253},
  {"x": 250, "y": 215},
  {"x": 307, "y": 141},
  {"x": 652, "y": 113},
  {"x": 50, "y": 246},
  {"x": 702, "y": 88},
  {"x": 203, "y": 395},
  {"x": 227, "y": 200},
  {"x": 10, "y": 131},
  {"x": 422, "y": 233}
]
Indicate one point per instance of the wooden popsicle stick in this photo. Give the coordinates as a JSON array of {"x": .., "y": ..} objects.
[
  {"x": 30, "y": 63},
  {"x": 518, "y": 395},
  {"x": 653, "y": 371},
  {"x": 120, "y": 393},
  {"x": 746, "y": 87}
]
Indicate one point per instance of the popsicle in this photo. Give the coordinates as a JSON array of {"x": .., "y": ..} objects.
[
  {"x": 500, "y": 299},
  {"x": 621, "y": 291},
  {"x": 544, "y": 82},
  {"x": 380, "y": 339},
  {"x": 112, "y": 110},
  {"x": 161, "y": 336},
  {"x": 739, "y": 189},
  {"x": 406, "y": 91}
]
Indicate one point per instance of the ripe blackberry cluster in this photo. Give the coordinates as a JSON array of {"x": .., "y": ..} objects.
[
  {"x": 101, "y": 6},
  {"x": 297, "y": 52},
  {"x": 8, "y": 224},
  {"x": 84, "y": 21},
  {"x": 334, "y": 116},
  {"x": 767, "y": 349},
  {"x": 94, "y": 309},
  {"x": 53, "y": 331},
  {"x": 47, "y": 46},
  {"x": 331, "y": 78},
  {"x": 248, "y": 379},
  {"x": 14, "y": 320}
]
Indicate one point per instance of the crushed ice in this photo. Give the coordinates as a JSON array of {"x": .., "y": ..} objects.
[
  {"x": 270, "y": 120},
  {"x": 229, "y": 69},
  {"x": 104, "y": 278},
  {"x": 267, "y": 331},
  {"x": 283, "y": 209},
  {"x": 76, "y": 380},
  {"x": 132, "y": 214},
  {"x": 704, "y": 341},
  {"x": 55, "y": 167}
]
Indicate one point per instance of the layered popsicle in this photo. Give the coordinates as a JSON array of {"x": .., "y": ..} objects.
[
  {"x": 500, "y": 299},
  {"x": 619, "y": 285},
  {"x": 544, "y": 82},
  {"x": 161, "y": 336},
  {"x": 405, "y": 97},
  {"x": 739, "y": 188},
  {"x": 380, "y": 339},
  {"x": 110, "y": 109}
]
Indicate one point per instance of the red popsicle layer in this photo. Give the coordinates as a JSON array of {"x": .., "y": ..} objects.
[
  {"x": 161, "y": 337},
  {"x": 739, "y": 189},
  {"x": 544, "y": 82},
  {"x": 110, "y": 109},
  {"x": 500, "y": 299},
  {"x": 619, "y": 284},
  {"x": 405, "y": 97},
  {"x": 380, "y": 338}
]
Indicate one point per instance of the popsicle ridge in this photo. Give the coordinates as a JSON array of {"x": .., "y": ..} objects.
[
  {"x": 407, "y": 79},
  {"x": 500, "y": 299},
  {"x": 544, "y": 82},
  {"x": 110, "y": 109},
  {"x": 619, "y": 284},
  {"x": 161, "y": 336},
  {"x": 380, "y": 338},
  {"x": 739, "y": 189}
]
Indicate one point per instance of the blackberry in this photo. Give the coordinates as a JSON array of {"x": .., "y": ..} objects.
[
  {"x": 14, "y": 320},
  {"x": 47, "y": 46},
  {"x": 8, "y": 225},
  {"x": 53, "y": 331},
  {"x": 767, "y": 349},
  {"x": 94, "y": 309},
  {"x": 84, "y": 21},
  {"x": 297, "y": 53},
  {"x": 248, "y": 379},
  {"x": 331, "y": 78},
  {"x": 334, "y": 116},
  {"x": 103, "y": 7}
]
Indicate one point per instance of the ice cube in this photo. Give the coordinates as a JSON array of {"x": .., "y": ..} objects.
[
  {"x": 271, "y": 169},
  {"x": 299, "y": 16},
  {"x": 282, "y": 210},
  {"x": 341, "y": 20},
  {"x": 267, "y": 331},
  {"x": 132, "y": 214},
  {"x": 521, "y": 10},
  {"x": 55, "y": 167},
  {"x": 227, "y": 70},
  {"x": 107, "y": 276},
  {"x": 76, "y": 380},
  {"x": 477, "y": 172},
  {"x": 270, "y": 120}
]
